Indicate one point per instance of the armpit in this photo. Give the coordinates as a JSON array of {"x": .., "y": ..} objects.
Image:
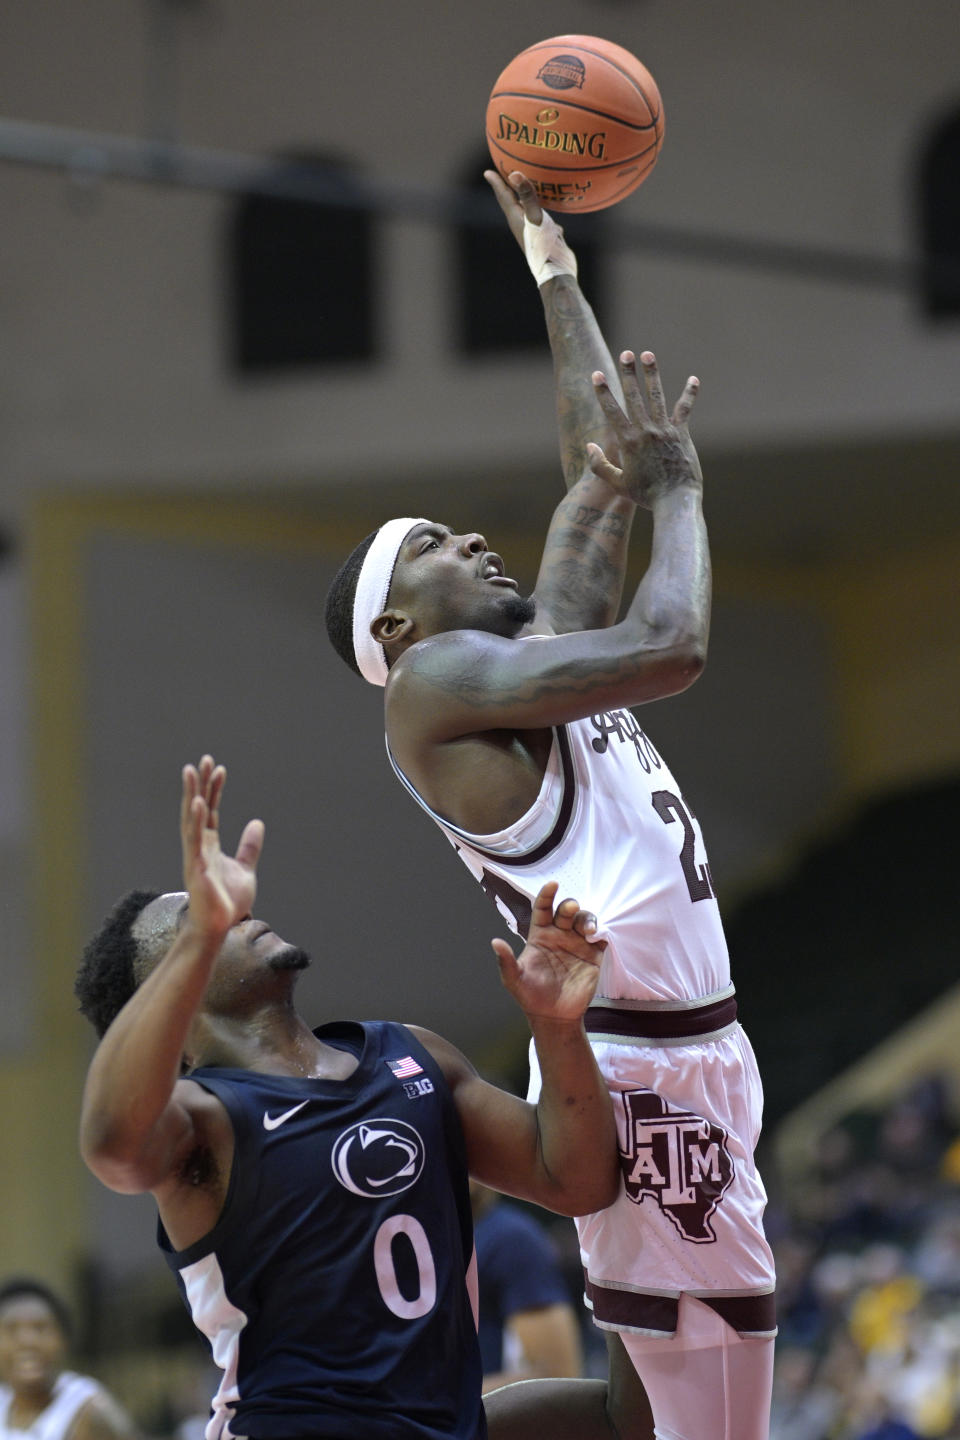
[{"x": 200, "y": 1168}]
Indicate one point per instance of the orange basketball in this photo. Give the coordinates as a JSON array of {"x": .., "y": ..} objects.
[{"x": 581, "y": 117}]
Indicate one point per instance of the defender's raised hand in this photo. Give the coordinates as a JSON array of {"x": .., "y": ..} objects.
[
  {"x": 656, "y": 450},
  {"x": 555, "y": 975},
  {"x": 222, "y": 888}
]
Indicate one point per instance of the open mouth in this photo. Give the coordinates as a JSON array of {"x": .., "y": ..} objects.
[{"x": 492, "y": 569}]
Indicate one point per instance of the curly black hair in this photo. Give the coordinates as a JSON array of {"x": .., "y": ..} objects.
[
  {"x": 107, "y": 976},
  {"x": 338, "y": 612},
  {"x": 21, "y": 1285}
]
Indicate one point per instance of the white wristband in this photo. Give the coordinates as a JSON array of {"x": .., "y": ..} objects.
[{"x": 548, "y": 254}]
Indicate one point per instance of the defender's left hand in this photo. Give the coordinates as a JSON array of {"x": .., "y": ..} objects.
[{"x": 555, "y": 975}]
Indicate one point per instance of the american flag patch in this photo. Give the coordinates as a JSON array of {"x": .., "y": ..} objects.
[{"x": 404, "y": 1068}]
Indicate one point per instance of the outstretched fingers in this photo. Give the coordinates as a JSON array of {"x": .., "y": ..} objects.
[
  {"x": 188, "y": 790},
  {"x": 193, "y": 827},
  {"x": 203, "y": 782},
  {"x": 681, "y": 411},
  {"x": 215, "y": 784},
  {"x": 251, "y": 844},
  {"x": 542, "y": 909},
  {"x": 630, "y": 384},
  {"x": 606, "y": 399},
  {"x": 654, "y": 386}
]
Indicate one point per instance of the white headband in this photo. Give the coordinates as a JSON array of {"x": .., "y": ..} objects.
[{"x": 370, "y": 596}]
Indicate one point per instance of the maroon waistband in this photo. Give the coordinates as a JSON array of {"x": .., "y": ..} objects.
[
  {"x": 662, "y": 1024},
  {"x": 657, "y": 1314}
]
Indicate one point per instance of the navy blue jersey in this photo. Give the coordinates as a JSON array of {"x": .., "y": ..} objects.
[{"x": 338, "y": 1287}]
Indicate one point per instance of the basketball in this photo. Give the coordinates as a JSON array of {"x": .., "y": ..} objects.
[{"x": 581, "y": 117}]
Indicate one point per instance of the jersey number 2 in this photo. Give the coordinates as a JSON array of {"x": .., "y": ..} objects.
[
  {"x": 669, "y": 807},
  {"x": 387, "y": 1271}
]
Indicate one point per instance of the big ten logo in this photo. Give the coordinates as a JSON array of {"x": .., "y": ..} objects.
[
  {"x": 677, "y": 1159},
  {"x": 623, "y": 724}
]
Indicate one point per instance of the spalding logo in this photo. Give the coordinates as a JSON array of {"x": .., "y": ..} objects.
[
  {"x": 378, "y": 1157},
  {"x": 563, "y": 72}
]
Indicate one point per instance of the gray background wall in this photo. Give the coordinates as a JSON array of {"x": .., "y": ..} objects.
[{"x": 139, "y": 625}]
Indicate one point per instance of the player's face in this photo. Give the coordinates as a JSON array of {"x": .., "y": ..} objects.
[
  {"x": 249, "y": 947},
  {"x": 31, "y": 1343},
  {"x": 453, "y": 582}
]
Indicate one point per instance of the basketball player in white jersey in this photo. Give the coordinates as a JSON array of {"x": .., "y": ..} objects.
[
  {"x": 39, "y": 1398},
  {"x": 507, "y": 719}
]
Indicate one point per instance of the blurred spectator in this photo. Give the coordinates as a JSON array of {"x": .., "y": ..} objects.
[
  {"x": 189, "y": 1400},
  {"x": 803, "y": 1407},
  {"x": 882, "y": 1424},
  {"x": 868, "y": 1251},
  {"x": 528, "y": 1325},
  {"x": 39, "y": 1399}
]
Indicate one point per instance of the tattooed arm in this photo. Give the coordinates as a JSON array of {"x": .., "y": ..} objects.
[
  {"x": 580, "y": 582},
  {"x": 460, "y": 684}
]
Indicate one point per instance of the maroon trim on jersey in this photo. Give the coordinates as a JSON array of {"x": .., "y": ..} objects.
[
  {"x": 530, "y": 857},
  {"x": 662, "y": 1024},
  {"x": 637, "y": 1310}
]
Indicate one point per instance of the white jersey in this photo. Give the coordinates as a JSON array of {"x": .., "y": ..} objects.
[
  {"x": 611, "y": 826},
  {"x": 70, "y": 1393}
]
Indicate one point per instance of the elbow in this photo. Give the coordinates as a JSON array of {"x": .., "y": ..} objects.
[
  {"x": 606, "y": 1192},
  {"x": 679, "y": 664},
  {"x": 125, "y": 1176},
  {"x": 691, "y": 661},
  {"x": 595, "y": 1192},
  {"x": 115, "y": 1164},
  {"x": 665, "y": 654}
]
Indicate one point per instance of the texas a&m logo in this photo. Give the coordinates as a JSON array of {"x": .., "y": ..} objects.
[{"x": 679, "y": 1159}]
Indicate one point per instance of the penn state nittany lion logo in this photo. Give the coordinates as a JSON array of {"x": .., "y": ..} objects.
[
  {"x": 679, "y": 1159},
  {"x": 378, "y": 1157}
]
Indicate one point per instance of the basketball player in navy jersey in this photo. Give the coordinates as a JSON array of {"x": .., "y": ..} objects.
[
  {"x": 312, "y": 1186},
  {"x": 507, "y": 719}
]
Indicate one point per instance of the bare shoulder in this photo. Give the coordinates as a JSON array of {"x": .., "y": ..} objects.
[
  {"x": 439, "y": 662},
  {"x": 206, "y": 1108},
  {"x": 433, "y": 690},
  {"x": 208, "y": 1143},
  {"x": 454, "y": 1064}
]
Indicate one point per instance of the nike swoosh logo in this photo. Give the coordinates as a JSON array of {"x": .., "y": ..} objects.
[{"x": 270, "y": 1122}]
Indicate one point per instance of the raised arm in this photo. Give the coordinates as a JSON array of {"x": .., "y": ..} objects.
[
  {"x": 137, "y": 1122},
  {"x": 580, "y": 582},
  {"x": 466, "y": 681},
  {"x": 561, "y": 1152}
]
